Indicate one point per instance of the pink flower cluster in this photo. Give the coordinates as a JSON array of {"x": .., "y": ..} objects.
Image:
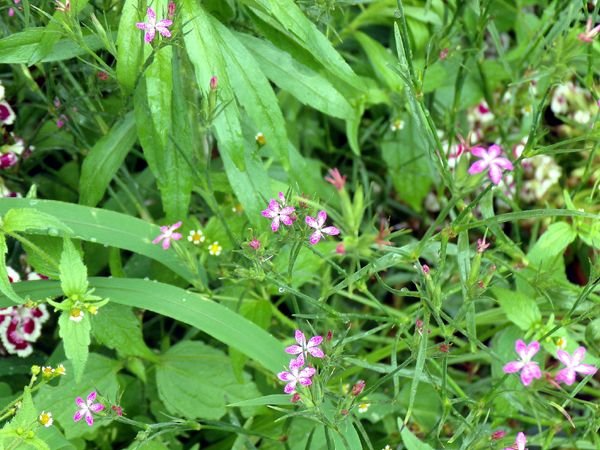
[
  {"x": 298, "y": 374},
  {"x": 530, "y": 370},
  {"x": 279, "y": 212},
  {"x": 21, "y": 325}
]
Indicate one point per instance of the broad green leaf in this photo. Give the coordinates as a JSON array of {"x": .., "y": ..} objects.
[
  {"x": 107, "y": 228},
  {"x": 117, "y": 327},
  {"x": 73, "y": 273},
  {"x": 130, "y": 44},
  {"x": 411, "y": 441},
  {"x": 5, "y": 284},
  {"x": 196, "y": 310},
  {"x": 29, "y": 220},
  {"x": 19, "y": 432},
  {"x": 522, "y": 310},
  {"x": 26, "y": 414},
  {"x": 197, "y": 381},
  {"x": 301, "y": 81},
  {"x": 100, "y": 375},
  {"x": 551, "y": 244},
  {"x": 104, "y": 159},
  {"x": 76, "y": 340}
]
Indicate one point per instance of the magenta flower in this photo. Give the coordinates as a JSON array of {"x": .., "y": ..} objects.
[
  {"x": 295, "y": 375},
  {"x": 303, "y": 347},
  {"x": 7, "y": 115},
  {"x": 151, "y": 27},
  {"x": 490, "y": 159},
  {"x": 317, "y": 224},
  {"x": 529, "y": 369},
  {"x": 336, "y": 179},
  {"x": 86, "y": 408},
  {"x": 519, "y": 442},
  {"x": 279, "y": 213},
  {"x": 166, "y": 234},
  {"x": 573, "y": 366}
]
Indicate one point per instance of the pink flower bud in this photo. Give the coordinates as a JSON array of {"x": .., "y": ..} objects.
[
  {"x": 496, "y": 435},
  {"x": 444, "y": 54},
  {"x": 329, "y": 335},
  {"x": 214, "y": 83},
  {"x": 11, "y": 12},
  {"x": 254, "y": 244},
  {"x": 426, "y": 269},
  {"x": 171, "y": 9},
  {"x": 340, "y": 249},
  {"x": 358, "y": 388},
  {"x": 295, "y": 398}
]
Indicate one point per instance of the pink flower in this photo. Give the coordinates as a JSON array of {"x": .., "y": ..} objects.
[
  {"x": 166, "y": 234},
  {"x": 336, "y": 179},
  {"x": 20, "y": 326},
  {"x": 8, "y": 160},
  {"x": 11, "y": 12},
  {"x": 151, "y": 27},
  {"x": 590, "y": 33},
  {"x": 529, "y": 369},
  {"x": 87, "y": 408},
  {"x": 7, "y": 115},
  {"x": 279, "y": 213},
  {"x": 490, "y": 159},
  {"x": 482, "y": 245},
  {"x": 519, "y": 442},
  {"x": 254, "y": 244},
  {"x": 295, "y": 375},
  {"x": 573, "y": 366},
  {"x": 303, "y": 347},
  {"x": 317, "y": 224}
]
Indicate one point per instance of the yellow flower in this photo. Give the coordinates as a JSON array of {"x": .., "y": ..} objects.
[
  {"x": 47, "y": 372},
  {"x": 363, "y": 407},
  {"x": 46, "y": 419},
  {"x": 196, "y": 237},
  {"x": 260, "y": 139},
  {"x": 76, "y": 315},
  {"x": 215, "y": 249},
  {"x": 561, "y": 342},
  {"x": 60, "y": 370}
]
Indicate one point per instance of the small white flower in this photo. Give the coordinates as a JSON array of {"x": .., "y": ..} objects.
[{"x": 363, "y": 407}]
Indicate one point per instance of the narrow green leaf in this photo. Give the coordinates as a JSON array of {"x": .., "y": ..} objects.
[
  {"x": 76, "y": 341},
  {"x": 104, "y": 159},
  {"x": 73, "y": 273},
  {"x": 29, "y": 220},
  {"x": 130, "y": 44},
  {"x": 411, "y": 441}
]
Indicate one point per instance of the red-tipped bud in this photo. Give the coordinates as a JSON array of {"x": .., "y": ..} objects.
[
  {"x": 340, "y": 249},
  {"x": 295, "y": 398},
  {"x": 254, "y": 244},
  {"x": 171, "y": 9},
  {"x": 214, "y": 83},
  {"x": 496, "y": 435},
  {"x": 329, "y": 336},
  {"x": 358, "y": 388},
  {"x": 444, "y": 53},
  {"x": 426, "y": 269}
]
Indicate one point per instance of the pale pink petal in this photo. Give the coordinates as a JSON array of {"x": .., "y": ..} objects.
[
  {"x": 285, "y": 376},
  {"x": 78, "y": 416},
  {"x": 478, "y": 167},
  {"x": 288, "y": 210},
  {"x": 151, "y": 15},
  {"x": 143, "y": 26},
  {"x": 480, "y": 152},
  {"x": 532, "y": 349},
  {"x": 321, "y": 218},
  {"x": 566, "y": 376},
  {"x": 166, "y": 243},
  {"x": 176, "y": 236},
  {"x": 300, "y": 338},
  {"x": 176, "y": 225},
  {"x": 157, "y": 239},
  {"x": 275, "y": 224},
  {"x": 79, "y": 401},
  {"x": 513, "y": 367},
  {"x": 287, "y": 220},
  {"x": 274, "y": 206},
  {"x": 316, "y": 352},
  {"x": 149, "y": 36},
  {"x": 315, "y": 237},
  {"x": 314, "y": 341},
  {"x": 495, "y": 174},
  {"x": 293, "y": 350},
  {"x": 290, "y": 387},
  {"x": 307, "y": 372},
  {"x": 521, "y": 441},
  {"x": 529, "y": 372},
  {"x": 563, "y": 357},
  {"x": 164, "y": 23},
  {"x": 521, "y": 348},
  {"x": 305, "y": 381},
  {"x": 269, "y": 213},
  {"x": 585, "y": 369},
  {"x": 164, "y": 229},
  {"x": 89, "y": 419},
  {"x": 297, "y": 363},
  {"x": 494, "y": 151},
  {"x": 96, "y": 407},
  {"x": 578, "y": 356},
  {"x": 332, "y": 231},
  {"x": 281, "y": 198},
  {"x": 503, "y": 163},
  {"x": 91, "y": 397},
  {"x": 311, "y": 222}
]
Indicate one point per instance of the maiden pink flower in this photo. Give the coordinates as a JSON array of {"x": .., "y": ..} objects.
[
  {"x": 303, "y": 347},
  {"x": 519, "y": 442},
  {"x": 86, "y": 408},
  {"x": 490, "y": 159},
  {"x": 295, "y": 375},
  {"x": 278, "y": 212},
  {"x": 166, "y": 234},
  {"x": 573, "y": 366},
  {"x": 317, "y": 224},
  {"x": 529, "y": 369},
  {"x": 152, "y": 26}
]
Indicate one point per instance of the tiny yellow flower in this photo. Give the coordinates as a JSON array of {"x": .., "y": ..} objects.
[
  {"x": 215, "y": 249},
  {"x": 196, "y": 237},
  {"x": 397, "y": 125},
  {"x": 60, "y": 370},
  {"x": 47, "y": 372},
  {"x": 76, "y": 315},
  {"x": 561, "y": 342},
  {"x": 363, "y": 407},
  {"x": 260, "y": 139},
  {"x": 92, "y": 310},
  {"x": 46, "y": 419}
]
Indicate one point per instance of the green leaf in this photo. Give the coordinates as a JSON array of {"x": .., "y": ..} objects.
[
  {"x": 29, "y": 220},
  {"x": 520, "y": 309},
  {"x": 206, "y": 315},
  {"x": 5, "y": 285},
  {"x": 100, "y": 376},
  {"x": 26, "y": 415},
  {"x": 304, "y": 83},
  {"x": 197, "y": 381},
  {"x": 411, "y": 441},
  {"x": 381, "y": 60},
  {"x": 73, "y": 273},
  {"x": 104, "y": 159},
  {"x": 130, "y": 44},
  {"x": 117, "y": 327},
  {"x": 108, "y": 228},
  {"x": 275, "y": 399},
  {"x": 19, "y": 433},
  {"x": 76, "y": 340}
]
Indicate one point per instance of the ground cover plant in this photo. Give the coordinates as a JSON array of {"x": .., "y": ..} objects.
[{"x": 278, "y": 224}]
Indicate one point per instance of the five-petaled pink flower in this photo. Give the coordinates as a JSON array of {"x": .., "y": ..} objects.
[
  {"x": 317, "y": 224},
  {"x": 573, "y": 366},
  {"x": 279, "y": 213},
  {"x": 303, "y": 347},
  {"x": 166, "y": 234},
  {"x": 490, "y": 159},
  {"x": 529, "y": 369},
  {"x": 519, "y": 442},
  {"x": 295, "y": 375},
  {"x": 152, "y": 26},
  {"x": 86, "y": 408},
  {"x": 336, "y": 178}
]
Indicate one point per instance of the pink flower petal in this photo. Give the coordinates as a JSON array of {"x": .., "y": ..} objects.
[
  {"x": 290, "y": 387},
  {"x": 300, "y": 338},
  {"x": 521, "y": 441},
  {"x": 281, "y": 198},
  {"x": 478, "y": 167},
  {"x": 314, "y": 341},
  {"x": 157, "y": 239},
  {"x": 297, "y": 363},
  {"x": 78, "y": 416},
  {"x": 293, "y": 350},
  {"x": 315, "y": 237},
  {"x": 142, "y": 26},
  {"x": 287, "y": 220},
  {"x": 585, "y": 369},
  {"x": 79, "y": 401},
  {"x": 563, "y": 357},
  {"x": 503, "y": 163},
  {"x": 91, "y": 397},
  {"x": 495, "y": 174},
  {"x": 274, "y": 206},
  {"x": 305, "y": 381},
  {"x": 151, "y": 15},
  {"x": 176, "y": 225},
  {"x": 311, "y": 222},
  {"x": 149, "y": 36},
  {"x": 321, "y": 218},
  {"x": 331, "y": 231},
  {"x": 89, "y": 419},
  {"x": 480, "y": 152},
  {"x": 285, "y": 376},
  {"x": 288, "y": 210},
  {"x": 275, "y": 224},
  {"x": 529, "y": 372},
  {"x": 566, "y": 376},
  {"x": 532, "y": 349},
  {"x": 166, "y": 243},
  {"x": 176, "y": 236},
  {"x": 494, "y": 151},
  {"x": 96, "y": 407},
  {"x": 307, "y": 372},
  {"x": 513, "y": 367},
  {"x": 316, "y": 352},
  {"x": 578, "y": 356},
  {"x": 520, "y": 348},
  {"x": 269, "y": 213}
]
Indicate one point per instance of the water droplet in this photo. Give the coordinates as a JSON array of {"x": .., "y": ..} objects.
[
  {"x": 52, "y": 231},
  {"x": 184, "y": 299},
  {"x": 146, "y": 279},
  {"x": 105, "y": 245},
  {"x": 155, "y": 281},
  {"x": 33, "y": 202},
  {"x": 404, "y": 289},
  {"x": 281, "y": 290},
  {"x": 93, "y": 239}
]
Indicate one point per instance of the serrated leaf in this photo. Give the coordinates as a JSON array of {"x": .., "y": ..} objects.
[
  {"x": 76, "y": 340},
  {"x": 19, "y": 432},
  {"x": 29, "y": 220},
  {"x": 73, "y": 273},
  {"x": 197, "y": 381},
  {"x": 104, "y": 160},
  {"x": 520, "y": 309}
]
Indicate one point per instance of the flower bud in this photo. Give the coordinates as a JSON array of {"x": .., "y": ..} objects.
[
  {"x": 496, "y": 435},
  {"x": 214, "y": 83},
  {"x": 358, "y": 388}
]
